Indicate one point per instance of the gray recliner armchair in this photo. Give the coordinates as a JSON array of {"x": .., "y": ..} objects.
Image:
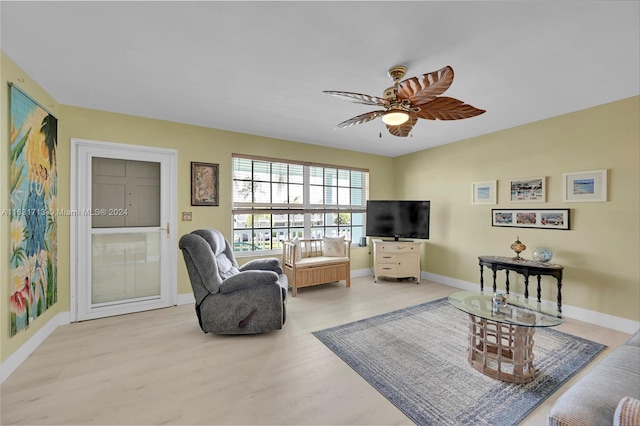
[{"x": 232, "y": 299}]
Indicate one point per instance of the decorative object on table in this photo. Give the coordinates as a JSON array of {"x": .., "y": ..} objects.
[
  {"x": 204, "y": 184},
  {"x": 585, "y": 186},
  {"x": 483, "y": 192},
  {"x": 499, "y": 300},
  {"x": 518, "y": 247},
  {"x": 542, "y": 254},
  {"x": 528, "y": 190},
  {"x": 531, "y": 218}
]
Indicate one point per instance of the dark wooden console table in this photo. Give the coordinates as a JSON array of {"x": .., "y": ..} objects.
[{"x": 524, "y": 267}]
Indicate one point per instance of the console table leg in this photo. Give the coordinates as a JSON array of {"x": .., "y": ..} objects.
[
  {"x": 526, "y": 285},
  {"x": 495, "y": 287},
  {"x": 539, "y": 290},
  {"x": 559, "y": 295},
  {"x": 507, "y": 282},
  {"x": 481, "y": 278}
]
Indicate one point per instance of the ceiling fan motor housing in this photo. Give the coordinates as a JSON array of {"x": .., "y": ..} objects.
[{"x": 390, "y": 94}]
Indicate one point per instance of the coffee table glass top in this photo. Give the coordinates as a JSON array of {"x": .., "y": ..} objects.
[{"x": 518, "y": 311}]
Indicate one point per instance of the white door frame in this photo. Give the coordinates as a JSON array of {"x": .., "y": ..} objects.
[{"x": 82, "y": 150}]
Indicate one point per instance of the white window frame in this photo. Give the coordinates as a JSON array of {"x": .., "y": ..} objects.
[{"x": 306, "y": 208}]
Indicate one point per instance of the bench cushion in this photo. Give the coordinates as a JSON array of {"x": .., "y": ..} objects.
[{"x": 320, "y": 260}]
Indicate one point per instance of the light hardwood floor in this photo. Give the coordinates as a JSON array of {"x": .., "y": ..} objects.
[{"x": 158, "y": 367}]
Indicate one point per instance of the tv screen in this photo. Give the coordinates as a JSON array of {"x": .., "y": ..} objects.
[{"x": 398, "y": 219}]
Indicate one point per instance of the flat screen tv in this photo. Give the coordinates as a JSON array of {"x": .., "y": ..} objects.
[{"x": 398, "y": 219}]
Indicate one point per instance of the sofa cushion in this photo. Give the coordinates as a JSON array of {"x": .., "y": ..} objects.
[
  {"x": 333, "y": 246},
  {"x": 628, "y": 412},
  {"x": 296, "y": 242}
]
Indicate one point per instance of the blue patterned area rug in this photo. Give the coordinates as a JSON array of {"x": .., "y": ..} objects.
[{"x": 416, "y": 357}]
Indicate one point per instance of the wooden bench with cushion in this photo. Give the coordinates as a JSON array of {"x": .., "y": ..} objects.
[{"x": 312, "y": 262}]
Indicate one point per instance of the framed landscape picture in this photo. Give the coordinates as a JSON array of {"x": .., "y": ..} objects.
[
  {"x": 531, "y": 218},
  {"x": 585, "y": 186},
  {"x": 204, "y": 184},
  {"x": 528, "y": 190},
  {"x": 483, "y": 192}
]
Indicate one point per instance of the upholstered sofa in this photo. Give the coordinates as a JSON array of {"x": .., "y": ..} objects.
[{"x": 609, "y": 394}]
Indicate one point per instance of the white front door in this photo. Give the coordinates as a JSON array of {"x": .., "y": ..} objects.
[{"x": 123, "y": 229}]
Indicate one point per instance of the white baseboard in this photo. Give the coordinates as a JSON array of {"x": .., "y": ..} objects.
[
  {"x": 186, "y": 299},
  {"x": 580, "y": 314},
  {"x": 19, "y": 356},
  {"x": 361, "y": 273},
  {"x": 22, "y": 353}
]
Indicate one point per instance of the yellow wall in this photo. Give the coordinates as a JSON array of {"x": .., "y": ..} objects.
[
  {"x": 10, "y": 73},
  {"x": 601, "y": 251}
]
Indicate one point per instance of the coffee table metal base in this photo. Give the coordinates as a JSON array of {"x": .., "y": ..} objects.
[{"x": 501, "y": 351}]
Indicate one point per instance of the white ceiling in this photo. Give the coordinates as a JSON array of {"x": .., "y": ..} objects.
[{"x": 260, "y": 67}]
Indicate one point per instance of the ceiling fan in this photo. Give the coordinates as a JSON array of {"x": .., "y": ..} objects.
[{"x": 408, "y": 100}]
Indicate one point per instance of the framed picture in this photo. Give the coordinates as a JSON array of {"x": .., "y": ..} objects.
[
  {"x": 483, "y": 192},
  {"x": 204, "y": 184},
  {"x": 531, "y": 218},
  {"x": 585, "y": 186},
  {"x": 529, "y": 190}
]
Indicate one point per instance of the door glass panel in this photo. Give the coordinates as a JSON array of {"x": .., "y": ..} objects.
[
  {"x": 125, "y": 193},
  {"x": 125, "y": 266}
]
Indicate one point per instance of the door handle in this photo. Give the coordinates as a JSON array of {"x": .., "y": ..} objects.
[{"x": 168, "y": 229}]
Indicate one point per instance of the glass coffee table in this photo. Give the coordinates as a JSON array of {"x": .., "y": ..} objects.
[{"x": 501, "y": 340}]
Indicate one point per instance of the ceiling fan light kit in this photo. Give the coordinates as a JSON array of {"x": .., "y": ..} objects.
[
  {"x": 395, "y": 118},
  {"x": 408, "y": 100}
]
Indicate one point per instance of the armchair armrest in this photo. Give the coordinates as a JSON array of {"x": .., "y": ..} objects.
[
  {"x": 248, "y": 279},
  {"x": 265, "y": 264}
]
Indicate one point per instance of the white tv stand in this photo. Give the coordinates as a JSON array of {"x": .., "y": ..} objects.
[{"x": 396, "y": 259}]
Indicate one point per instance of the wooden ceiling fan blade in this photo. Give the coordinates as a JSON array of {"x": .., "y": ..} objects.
[
  {"x": 360, "y": 119},
  {"x": 404, "y": 129},
  {"x": 445, "y": 108},
  {"x": 358, "y": 98},
  {"x": 426, "y": 87}
]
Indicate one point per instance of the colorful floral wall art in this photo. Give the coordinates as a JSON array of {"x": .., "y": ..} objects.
[{"x": 33, "y": 186}]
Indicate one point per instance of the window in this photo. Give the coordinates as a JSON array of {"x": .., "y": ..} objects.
[{"x": 276, "y": 200}]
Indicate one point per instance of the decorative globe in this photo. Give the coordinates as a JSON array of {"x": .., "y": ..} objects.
[{"x": 542, "y": 254}]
